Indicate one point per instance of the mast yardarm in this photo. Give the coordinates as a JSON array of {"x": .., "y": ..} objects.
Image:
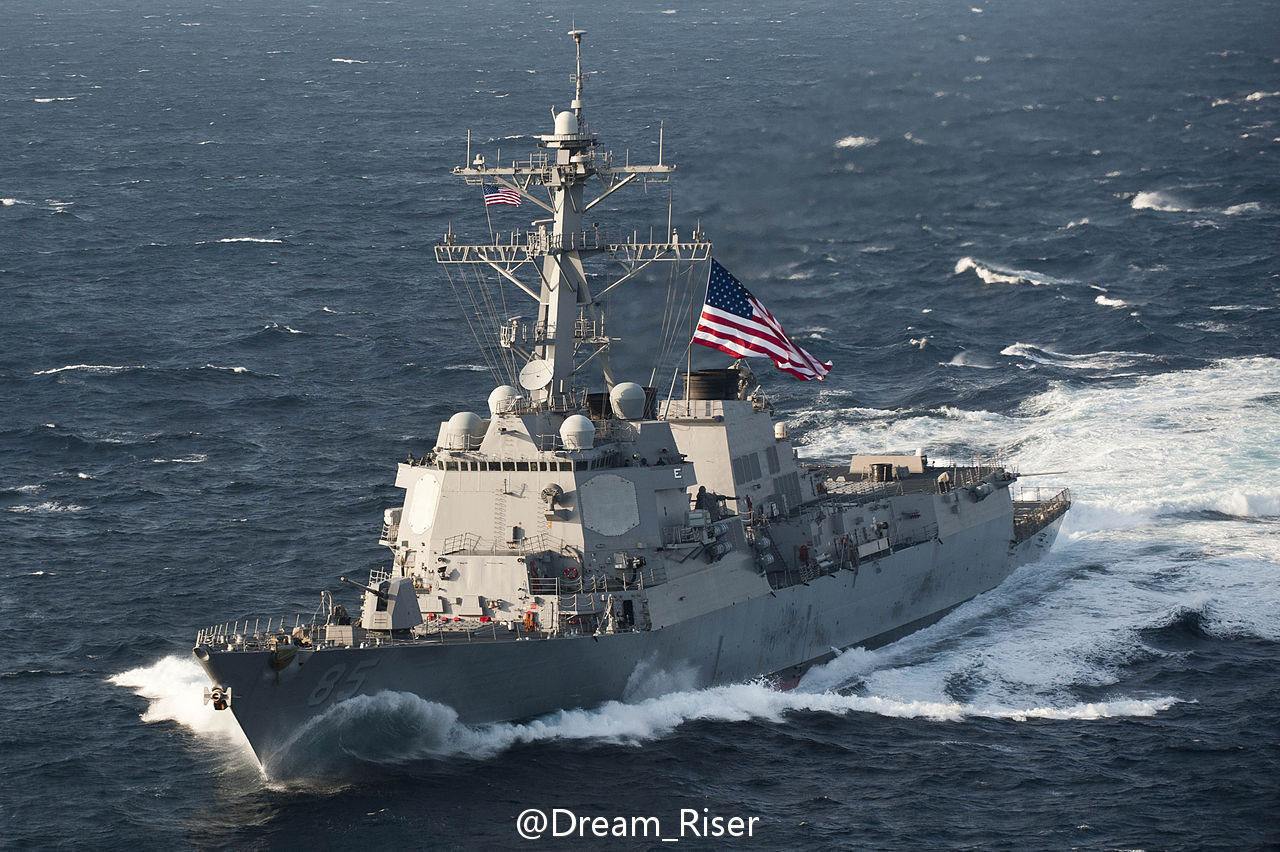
[{"x": 568, "y": 332}]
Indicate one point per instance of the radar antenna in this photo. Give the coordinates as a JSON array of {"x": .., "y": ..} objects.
[{"x": 578, "y": 77}]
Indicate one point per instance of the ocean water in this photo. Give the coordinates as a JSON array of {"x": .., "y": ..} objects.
[{"x": 1046, "y": 229}]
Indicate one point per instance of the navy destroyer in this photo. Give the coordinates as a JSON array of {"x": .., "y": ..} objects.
[{"x": 595, "y": 538}]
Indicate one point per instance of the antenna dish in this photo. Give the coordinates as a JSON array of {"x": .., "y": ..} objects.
[{"x": 536, "y": 374}]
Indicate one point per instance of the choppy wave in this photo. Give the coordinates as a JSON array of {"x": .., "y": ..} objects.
[
  {"x": 1243, "y": 307},
  {"x": 1164, "y": 201},
  {"x": 112, "y": 369},
  {"x": 993, "y": 273},
  {"x": 50, "y": 507},
  {"x": 1105, "y": 360},
  {"x": 856, "y": 142},
  {"x": 965, "y": 358},
  {"x": 193, "y": 458},
  {"x": 1246, "y": 207},
  {"x": 89, "y": 368},
  {"x": 1160, "y": 201}
]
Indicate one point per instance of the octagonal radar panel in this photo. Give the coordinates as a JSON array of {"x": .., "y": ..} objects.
[{"x": 536, "y": 374}]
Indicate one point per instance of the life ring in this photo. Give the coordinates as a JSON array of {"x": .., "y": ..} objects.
[{"x": 571, "y": 573}]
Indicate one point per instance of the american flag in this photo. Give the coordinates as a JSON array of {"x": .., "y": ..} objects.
[
  {"x": 734, "y": 322},
  {"x": 501, "y": 195}
]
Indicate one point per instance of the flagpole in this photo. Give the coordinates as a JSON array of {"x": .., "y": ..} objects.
[
  {"x": 487, "y": 217},
  {"x": 689, "y": 349}
]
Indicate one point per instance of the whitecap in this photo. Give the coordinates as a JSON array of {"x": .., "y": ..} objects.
[
  {"x": 965, "y": 358},
  {"x": 1110, "y": 303},
  {"x": 89, "y": 368},
  {"x": 351, "y": 61},
  {"x": 1257, "y": 96},
  {"x": 992, "y": 273},
  {"x": 1246, "y": 207},
  {"x": 1102, "y": 360},
  {"x": 249, "y": 240},
  {"x": 856, "y": 142},
  {"x": 47, "y": 508},
  {"x": 1158, "y": 201}
]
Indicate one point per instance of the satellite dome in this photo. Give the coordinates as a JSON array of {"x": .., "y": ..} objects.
[
  {"x": 577, "y": 433},
  {"x": 627, "y": 399},
  {"x": 464, "y": 431},
  {"x": 500, "y": 399},
  {"x": 566, "y": 123}
]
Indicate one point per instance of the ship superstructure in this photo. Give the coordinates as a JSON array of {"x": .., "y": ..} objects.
[{"x": 593, "y": 537}]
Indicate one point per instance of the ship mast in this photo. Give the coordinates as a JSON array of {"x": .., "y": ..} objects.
[{"x": 568, "y": 319}]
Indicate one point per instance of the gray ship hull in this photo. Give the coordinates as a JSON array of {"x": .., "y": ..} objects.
[{"x": 780, "y": 634}]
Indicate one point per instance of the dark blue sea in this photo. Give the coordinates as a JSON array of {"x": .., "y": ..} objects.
[{"x": 1048, "y": 229}]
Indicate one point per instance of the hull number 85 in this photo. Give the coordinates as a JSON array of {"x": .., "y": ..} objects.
[{"x": 337, "y": 684}]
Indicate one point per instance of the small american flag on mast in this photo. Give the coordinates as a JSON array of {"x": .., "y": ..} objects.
[
  {"x": 501, "y": 195},
  {"x": 735, "y": 322}
]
